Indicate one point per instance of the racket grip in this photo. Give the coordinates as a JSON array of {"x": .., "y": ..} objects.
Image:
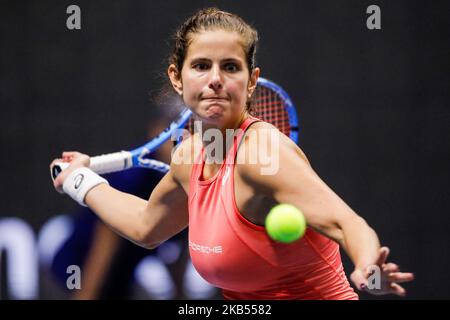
[
  {"x": 106, "y": 163},
  {"x": 57, "y": 168},
  {"x": 111, "y": 162}
]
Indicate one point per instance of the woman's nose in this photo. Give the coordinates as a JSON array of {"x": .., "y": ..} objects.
[{"x": 215, "y": 81}]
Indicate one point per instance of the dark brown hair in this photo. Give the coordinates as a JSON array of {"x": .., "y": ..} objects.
[{"x": 213, "y": 19}]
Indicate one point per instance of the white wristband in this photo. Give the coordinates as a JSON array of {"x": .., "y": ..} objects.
[{"x": 79, "y": 182}]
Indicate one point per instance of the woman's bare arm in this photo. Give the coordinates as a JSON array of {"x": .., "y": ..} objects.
[
  {"x": 146, "y": 223},
  {"x": 295, "y": 182}
]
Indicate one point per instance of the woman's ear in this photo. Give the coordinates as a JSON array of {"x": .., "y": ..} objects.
[
  {"x": 175, "y": 79},
  {"x": 253, "y": 81}
]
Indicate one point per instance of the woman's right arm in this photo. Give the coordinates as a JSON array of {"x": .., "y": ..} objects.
[{"x": 147, "y": 223}]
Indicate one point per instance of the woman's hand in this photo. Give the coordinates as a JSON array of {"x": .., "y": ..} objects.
[
  {"x": 76, "y": 159},
  {"x": 389, "y": 277}
]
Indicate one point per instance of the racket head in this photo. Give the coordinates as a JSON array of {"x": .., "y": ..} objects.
[
  {"x": 272, "y": 104},
  {"x": 139, "y": 155}
]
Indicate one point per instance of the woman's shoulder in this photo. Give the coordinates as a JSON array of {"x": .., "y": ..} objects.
[
  {"x": 264, "y": 145},
  {"x": 264, "y": 135}
]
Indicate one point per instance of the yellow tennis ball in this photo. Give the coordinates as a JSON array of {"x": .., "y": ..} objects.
[{"x": 285, "y": 223}]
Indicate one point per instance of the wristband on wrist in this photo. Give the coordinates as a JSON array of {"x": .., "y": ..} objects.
[{"x": 79, "y": 182}]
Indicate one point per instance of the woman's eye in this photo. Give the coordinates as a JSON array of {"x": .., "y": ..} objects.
[
  {"x": 201, "y": 66},
  {"x": 231, "y": 67}
]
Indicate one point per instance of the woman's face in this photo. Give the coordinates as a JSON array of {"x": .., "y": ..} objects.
[{"x": 215, "y": 80}]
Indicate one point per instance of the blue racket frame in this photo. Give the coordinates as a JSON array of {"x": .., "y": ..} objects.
[{"x": 290, "y": 107}]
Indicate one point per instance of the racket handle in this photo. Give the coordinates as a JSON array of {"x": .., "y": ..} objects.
[
  {"x": 56, "y": 169},
  {"x": 106, "y": 163},
  {"x": 111, "y": 162}
]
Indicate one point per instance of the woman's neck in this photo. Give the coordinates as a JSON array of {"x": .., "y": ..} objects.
[{"x": 220, "y": 139}]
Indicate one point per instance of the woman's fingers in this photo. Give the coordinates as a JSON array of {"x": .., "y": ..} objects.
[
  {"x": 70, "y": 153},
  {"x": 55, "y": 161},
  {"x": 359, "y": 279},
  {"x": 400, "y": 277},
  {"x": 384, "y": 253},
  {"x": 390, "y": 267},
  {"x": 58, "y": 182},
  {"x": 68, "y": 156},
  {"x": 390, "y": 277},
  {"x": 398, "y": 289}
]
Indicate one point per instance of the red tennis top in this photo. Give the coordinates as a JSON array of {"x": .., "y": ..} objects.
[{"x": 234, "y": 254}]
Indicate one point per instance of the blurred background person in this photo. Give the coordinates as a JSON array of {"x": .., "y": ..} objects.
[{"x": 115, "y": 268}]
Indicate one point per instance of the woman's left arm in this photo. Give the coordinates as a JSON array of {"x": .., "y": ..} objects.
[{"x": 295, "y": 182}]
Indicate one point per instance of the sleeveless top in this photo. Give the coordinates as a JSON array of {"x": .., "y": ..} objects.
[{"x": 238, "y": 256}]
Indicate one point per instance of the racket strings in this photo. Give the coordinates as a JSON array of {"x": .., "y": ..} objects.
[{"x": 270, "y": 107}]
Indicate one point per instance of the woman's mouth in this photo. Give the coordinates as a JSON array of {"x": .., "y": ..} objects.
[{"x": 214, "y": 99}]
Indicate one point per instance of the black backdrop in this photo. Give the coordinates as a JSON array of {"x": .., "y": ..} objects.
[{"x": 373, "y": 104}]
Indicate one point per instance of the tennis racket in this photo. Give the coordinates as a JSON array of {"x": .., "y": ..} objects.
[{"x": 270, "y": 104}]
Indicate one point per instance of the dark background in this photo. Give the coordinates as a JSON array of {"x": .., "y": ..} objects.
[{"x": 373, "y": 104}]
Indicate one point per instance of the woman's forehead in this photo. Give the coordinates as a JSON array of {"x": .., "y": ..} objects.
[{"x": 216, "y": 43}]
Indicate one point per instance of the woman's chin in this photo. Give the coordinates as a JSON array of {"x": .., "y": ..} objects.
[{"x": 214, "y": 112}]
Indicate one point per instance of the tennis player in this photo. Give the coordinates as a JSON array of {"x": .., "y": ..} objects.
[{"x": 225, "y": 203}]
